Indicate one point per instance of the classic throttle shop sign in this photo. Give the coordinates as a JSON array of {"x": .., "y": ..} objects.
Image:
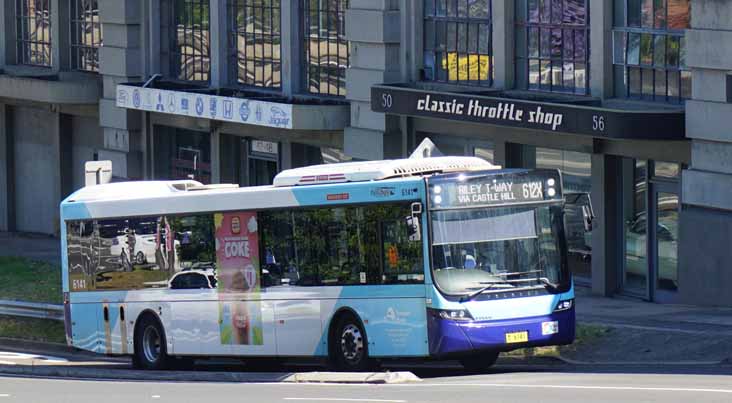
[{"x": 553, "y": 117}]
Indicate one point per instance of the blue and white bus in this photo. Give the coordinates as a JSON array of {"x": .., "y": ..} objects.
[{"x": 440, "y": 257}]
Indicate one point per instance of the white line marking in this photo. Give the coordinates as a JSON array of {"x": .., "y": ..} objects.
[
  {"x": 589, "y": 387},
  {"x": 502, "y": 385},
  {"x": 156, "y": 396},
  {"x": 338, "y": 399},
  {"x": 4, "y": 395}
]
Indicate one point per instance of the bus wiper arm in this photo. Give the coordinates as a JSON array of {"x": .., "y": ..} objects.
[
  {"x": 474, "y": 294},
  {"x": 490, "y": 285},
  {"x": 548, "y": 284}
]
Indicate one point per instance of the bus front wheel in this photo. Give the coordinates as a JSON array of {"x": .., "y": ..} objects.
[
  {"x": 150, "y": 346},
  {"x": 349, "y": 347},
  {"x": 480, "y": 362}
]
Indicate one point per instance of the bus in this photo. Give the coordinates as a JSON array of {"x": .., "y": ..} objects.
[{"x": 437, "y": 257}]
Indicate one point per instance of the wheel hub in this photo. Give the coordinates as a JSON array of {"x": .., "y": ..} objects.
[
  {"x": 352, "y": 343},
  {"x": 151, "y": 344}
]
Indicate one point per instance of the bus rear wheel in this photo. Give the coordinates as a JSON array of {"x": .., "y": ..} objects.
[
  {"x": 349, "y": 347},
  {"x": 150, "y": 346},
  {"x": 480, "y": 362}
]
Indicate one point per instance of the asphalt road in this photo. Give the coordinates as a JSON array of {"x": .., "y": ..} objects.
[{"x": 504, "y": 385}]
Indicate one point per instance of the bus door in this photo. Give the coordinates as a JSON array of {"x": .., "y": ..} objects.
[{"x": 298, "y": 324}]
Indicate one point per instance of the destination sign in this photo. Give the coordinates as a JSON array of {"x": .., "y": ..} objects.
[{"x": 486, "y": 190}]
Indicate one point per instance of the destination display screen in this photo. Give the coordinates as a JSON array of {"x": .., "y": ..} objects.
[{"x": 468, "y": 190}]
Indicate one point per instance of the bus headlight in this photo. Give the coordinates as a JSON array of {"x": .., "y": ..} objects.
[
  {"x": 455, "y": 314},
  {"x": 564, "y": 305}
]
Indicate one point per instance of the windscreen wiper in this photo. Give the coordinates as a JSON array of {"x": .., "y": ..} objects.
[
  {"x": 548, "y": 284},
  {"x": 474, "y": 294}
]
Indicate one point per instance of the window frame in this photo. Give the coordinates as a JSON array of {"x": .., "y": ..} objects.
[
  {"x": 274, "y": 34},
  {"x": 524, "y": 57},
  {"x": 313, "y": 83},
  {"x": 178, "y": 52},
  {"x": 24, "y": 44},
  {"x": 78, "y": 44},
  {"x": 624, "y": 71},
  {"x": 442, "y": 75}
]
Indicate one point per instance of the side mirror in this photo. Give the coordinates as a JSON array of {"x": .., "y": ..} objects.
[
  {"x": 413, "y": 223},
  {"x": 587, "y": 217}
]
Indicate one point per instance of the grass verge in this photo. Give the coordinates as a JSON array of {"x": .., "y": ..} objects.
[
  {"x": 28, "y": 280},
  {"x": 43, "y": 330}
]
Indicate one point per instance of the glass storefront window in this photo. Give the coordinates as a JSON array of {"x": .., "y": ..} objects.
[
  {"x": 635, "y": 276},
  {"x": 460, "y": 146},
  {"x": 261, "y": 171},
  {"x": 182, "y": 154},
  {"x": 485, "y": 153},
  {"x": 576, "y": 170},
  {"x": 334, "y": 156},
  {"x": 668, "y": 170},
  {"x": 667, "y": 234}
]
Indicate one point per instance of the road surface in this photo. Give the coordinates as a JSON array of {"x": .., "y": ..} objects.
[{"x": 528, "y": 384}]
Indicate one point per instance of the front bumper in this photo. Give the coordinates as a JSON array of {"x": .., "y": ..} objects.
[{"x": 448, "y": 337}]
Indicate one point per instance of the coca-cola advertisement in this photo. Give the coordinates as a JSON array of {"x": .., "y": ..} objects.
[{"x": 237, "y": 257}]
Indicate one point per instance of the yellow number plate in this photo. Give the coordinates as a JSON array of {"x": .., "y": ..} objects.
[{"x": 517, "y": 337}]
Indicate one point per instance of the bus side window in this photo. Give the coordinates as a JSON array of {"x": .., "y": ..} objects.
[{"x": 402, "y": 257}]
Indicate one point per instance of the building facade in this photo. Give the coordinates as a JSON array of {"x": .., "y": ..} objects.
[{"x": 627, "y": 97}]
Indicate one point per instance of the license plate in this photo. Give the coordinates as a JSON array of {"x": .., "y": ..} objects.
[{"x": 517, "y": 337}]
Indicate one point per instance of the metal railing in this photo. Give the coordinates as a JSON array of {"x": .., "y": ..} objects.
[{"x": 32, "y": 310}]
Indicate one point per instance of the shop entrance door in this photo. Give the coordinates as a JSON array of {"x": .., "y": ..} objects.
[
  {"x": 650, "y": 269},
  {"x": 664, "y": 246},
  {"x": 264, "y": 161}
]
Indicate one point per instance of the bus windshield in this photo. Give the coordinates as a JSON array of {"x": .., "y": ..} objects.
[{"x": 497, "y": 248}]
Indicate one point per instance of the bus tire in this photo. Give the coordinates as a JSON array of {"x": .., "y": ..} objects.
[
  {"x": 480, "y": 362},
  {"x": 150, "y": 344},
  {"x": 349, "y": 350}
]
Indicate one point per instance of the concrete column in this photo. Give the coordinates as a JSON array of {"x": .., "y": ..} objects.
[
  {"x": 5, "y": 27},
  {"x": 285, "y": 155},
  {"x": 373, "y": 29},
  {"x": 6, "y": 170},
  {"x": 601, "y": 48},
  {"x": 56, "y": 178},
  {"x": 60, "y": 37},
  {"x": 151, "y": 42},
  {"x": 219, "y": 26},
  {"x": 121, "y": 60},
  {"x": 706, "y": 216},
  {"x": 503, "y": 43},
  {"x": 411, "y": 49},
  {"x": 499, "y": 153},
  {"x": 65, "y": 167},
  {"x": 608, "y": 225},
  {"x": 216, "y": 155},
  {"x": 291, "y": 48}
]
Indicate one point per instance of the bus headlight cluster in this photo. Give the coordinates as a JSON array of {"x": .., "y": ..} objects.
[
  {"x": 455, "y": 314},
  {"x": 550, "y": 187},
  {"x": 436, "y": 191},
  {"x": 564, "y": 305}
]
